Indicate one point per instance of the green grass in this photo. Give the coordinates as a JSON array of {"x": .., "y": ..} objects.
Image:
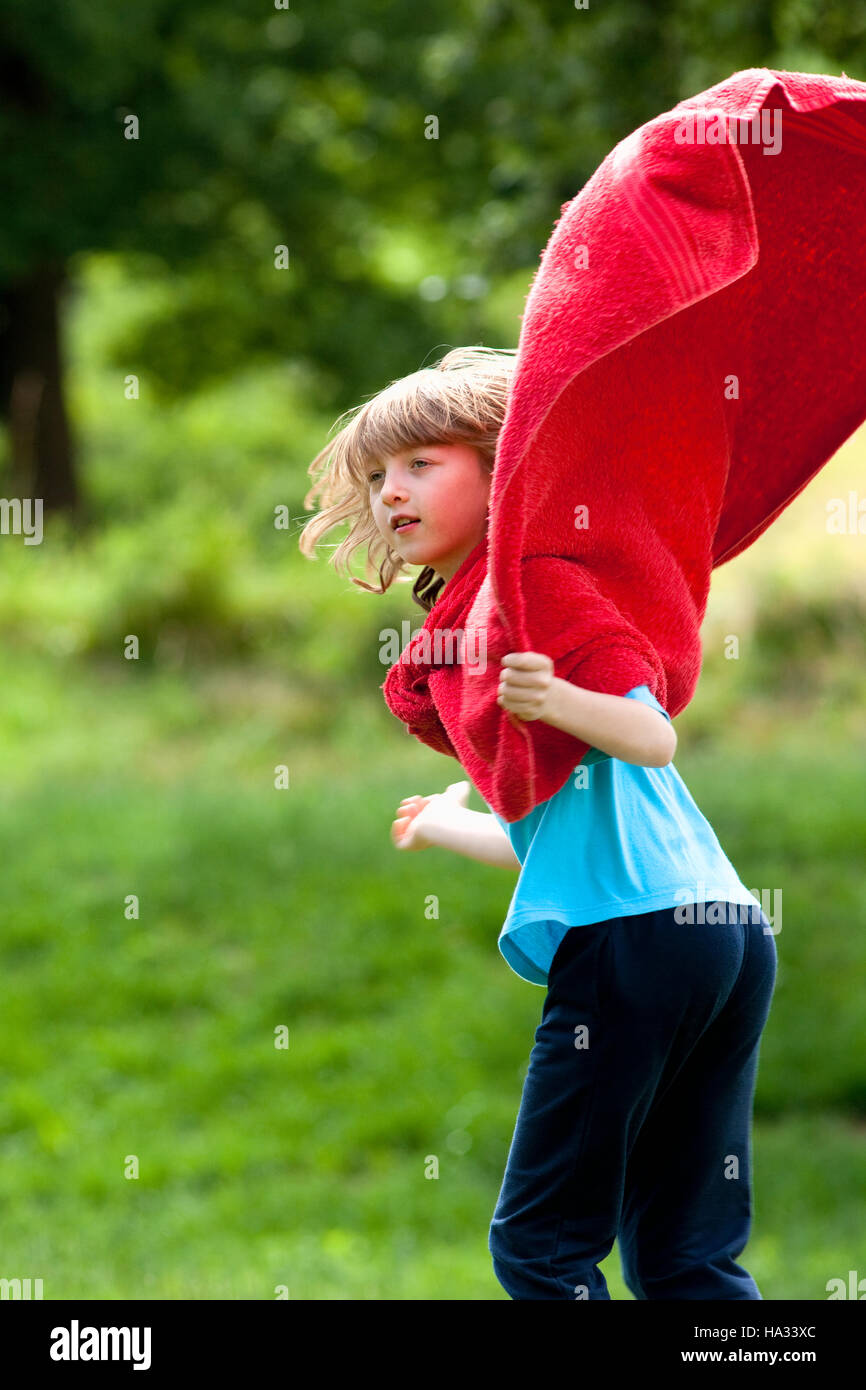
[{"x": 152, "y": 1040}]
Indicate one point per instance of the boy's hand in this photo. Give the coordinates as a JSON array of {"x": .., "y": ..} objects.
[
  {"x": 526, "y": 684},
  {"x": 415, "y": 814}
]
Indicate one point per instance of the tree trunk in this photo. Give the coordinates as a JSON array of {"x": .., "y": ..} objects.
[{"x": 31, "y": 389}]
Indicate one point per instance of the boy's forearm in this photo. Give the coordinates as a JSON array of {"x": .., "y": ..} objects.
[
  {"x": 624, "y": 729},
  {"x": 478, "y": 835}
]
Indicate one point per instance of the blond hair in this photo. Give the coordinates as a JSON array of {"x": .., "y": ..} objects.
[{"x": 460, "y": 400}]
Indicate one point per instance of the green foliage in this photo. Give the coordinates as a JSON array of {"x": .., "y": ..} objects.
[
  {"x": 263, "y": 128},
  {"x": 803, "y": 640}
]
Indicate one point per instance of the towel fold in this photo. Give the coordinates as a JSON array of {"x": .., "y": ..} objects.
[{"x": 691, "y": 353}]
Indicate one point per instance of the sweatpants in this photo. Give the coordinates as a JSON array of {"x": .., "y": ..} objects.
[{"x": 636, "y": 1114}]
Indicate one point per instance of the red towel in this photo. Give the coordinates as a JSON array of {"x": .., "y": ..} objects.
[{"x": 691, "y": 353}]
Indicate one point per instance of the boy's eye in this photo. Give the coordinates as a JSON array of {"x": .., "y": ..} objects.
[{"x": 378, "y": 474}]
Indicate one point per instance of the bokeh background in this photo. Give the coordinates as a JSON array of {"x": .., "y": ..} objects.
[{"x": 147, "y": 1044}]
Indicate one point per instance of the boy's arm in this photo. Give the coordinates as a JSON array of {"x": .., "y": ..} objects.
[
  {"x": 623, "y": 728},
  {"x": 477, "y": 834}
]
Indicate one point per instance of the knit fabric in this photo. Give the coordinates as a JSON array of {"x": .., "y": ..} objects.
[{"x": 691, "y": 354}]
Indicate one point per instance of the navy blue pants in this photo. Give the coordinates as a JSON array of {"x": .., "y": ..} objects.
[{"x": 636, "y": 1114}]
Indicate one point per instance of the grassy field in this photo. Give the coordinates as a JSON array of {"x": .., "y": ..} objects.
[{"x": 153, "y": 1038}]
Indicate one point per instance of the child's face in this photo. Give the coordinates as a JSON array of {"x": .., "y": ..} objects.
[{"x": 447, "y": 488}]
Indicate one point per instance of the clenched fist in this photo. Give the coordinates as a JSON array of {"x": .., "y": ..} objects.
[{"x": 525, "y": 684}]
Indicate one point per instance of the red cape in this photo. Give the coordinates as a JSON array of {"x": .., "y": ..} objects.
[{"x": 692, "y": 352}]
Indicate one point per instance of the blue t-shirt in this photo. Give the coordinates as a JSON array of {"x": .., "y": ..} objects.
[{"x": 630, "y": 840}]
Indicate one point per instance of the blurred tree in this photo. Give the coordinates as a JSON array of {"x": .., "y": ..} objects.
[{"x": 406, "y": 156}]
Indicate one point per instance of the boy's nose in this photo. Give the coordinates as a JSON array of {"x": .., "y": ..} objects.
[{"x": 394, "y": 492}]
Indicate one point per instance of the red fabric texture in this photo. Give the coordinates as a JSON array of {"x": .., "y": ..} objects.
[{"x": 691, "y": 353}]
